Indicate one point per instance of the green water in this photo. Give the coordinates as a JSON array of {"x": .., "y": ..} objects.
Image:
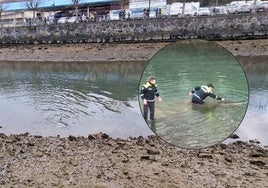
[
  {"x": 179, "y": 68},
  {"x": 61, "y": 98}
]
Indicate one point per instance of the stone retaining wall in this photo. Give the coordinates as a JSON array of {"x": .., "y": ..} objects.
[{"x": 212, "y": 28}]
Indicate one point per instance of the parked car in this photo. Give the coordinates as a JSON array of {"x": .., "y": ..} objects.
[
  {"x": 57, "y": 16},
  {"x": 137, "y": 14},
  {"x": 245, "y": 8},
  {"x": 114, "y": 15},
  {"x": 219, "y": 10},
  {"x": 50, "y": 19},
  {"x": 74, "y": 19},
  {"x": 232, "y": 8},
  {"x": 62, "y": 20},
  {"x": 204, "y": 11},
  {"x": 262, "y": 6}
]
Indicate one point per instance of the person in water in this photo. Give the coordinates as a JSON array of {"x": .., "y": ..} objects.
[
  {"x": 148, "y": 93},
  {"x": 199, "y": 93}
]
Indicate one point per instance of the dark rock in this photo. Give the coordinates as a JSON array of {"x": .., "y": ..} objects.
[
  {"x": 31, "y": 143},
  {"x": 26, "y": 134},
  {"x": 234, "y": 136},
  {"x": 256, "y": 154},
  {"x": 239, "y": 143},
  {"x": 150, "y": 143},
  {"x": 12, "y": 140},
  {"x": 145, "y": 157},
  {"x": 165, "y": 163},
  {"x": 204, "y": 155},
  {"x": 2, "y": 135},
  {"x": 105, "y": 136},
  {"x": 1, "y": 127},
  {"x": 38, "y": 136},
  {"x": 72, "y": 138},
  {"x": 140, "y": 137},
  {"x": 257, "y": 162},
  {"x": 125, "y": 160},
  {"x": 228, "y": 159},
  {"x": 91, "y": 137},
  {"x": 249, "y": 174},
  {"x": 140, "y": 142},
  {"x": 153, "y": 152},
  {"x": 121, "y": 143},
  {"x": 223, "y": 146},
  {"x": 17, "y": 137},
  {"x": 254, "y": 141}
]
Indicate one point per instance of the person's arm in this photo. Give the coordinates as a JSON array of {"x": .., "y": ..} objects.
[
  {"x": 142, "y": 95},
  {"x": 194, "y": 90},
  {"x": 216, "y": 97},
  {"x": 158, "y": 95}
]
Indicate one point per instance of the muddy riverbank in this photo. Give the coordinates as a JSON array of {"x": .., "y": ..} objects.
[
  {"x": 100, "y": 161},
  {"x": 114, "y": 52}
]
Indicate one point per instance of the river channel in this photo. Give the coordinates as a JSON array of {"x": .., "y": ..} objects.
[
  {"x": 255, "y": 124},
  {"x": 62, "y": 98}
]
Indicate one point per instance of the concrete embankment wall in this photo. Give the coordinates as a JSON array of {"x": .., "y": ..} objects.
[{"x": 212, "y": 28}]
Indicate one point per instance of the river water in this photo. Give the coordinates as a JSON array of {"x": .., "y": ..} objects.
[
  {"x": 179, "y": 68},
  {"x": 62, "y": 98},
  {"x": 71, "y": 99},
  {"x": 255, "y": 123}
]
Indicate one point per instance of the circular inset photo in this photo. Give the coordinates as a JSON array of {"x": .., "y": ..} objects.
[{"x": 193, "y": 94}]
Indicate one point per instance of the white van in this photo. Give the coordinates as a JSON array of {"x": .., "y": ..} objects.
[
  {"x": 245, "y": 7},
  {"x": 114, "y": 14},
  {"x": 236, "y": 7},
  {"x": 204, "y": 11},
  {"x": 176, "y": 9}
]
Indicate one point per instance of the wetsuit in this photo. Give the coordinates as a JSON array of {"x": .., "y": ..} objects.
[
  {"x": 148, "y": 92},
  {"x": 202, "y": 92}
]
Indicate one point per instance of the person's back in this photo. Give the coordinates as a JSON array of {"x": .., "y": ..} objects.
[{"x": 199, "y": 93}]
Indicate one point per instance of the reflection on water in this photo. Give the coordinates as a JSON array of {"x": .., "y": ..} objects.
[
  {"x": 255, "y": 123},
  {"x": 179, "y": 68},
  {"x": 82, "y": 98},
  {"x": 71, "y": 98}
]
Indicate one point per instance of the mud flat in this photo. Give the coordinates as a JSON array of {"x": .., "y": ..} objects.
[
  {"x": 99, "y": 161},
  {"x": 114, "y": 52}
]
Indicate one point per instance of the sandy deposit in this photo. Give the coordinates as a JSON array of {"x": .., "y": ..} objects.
[
  {"x": 99, "y": 161},
  {"x": 113, "y": 52}
]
